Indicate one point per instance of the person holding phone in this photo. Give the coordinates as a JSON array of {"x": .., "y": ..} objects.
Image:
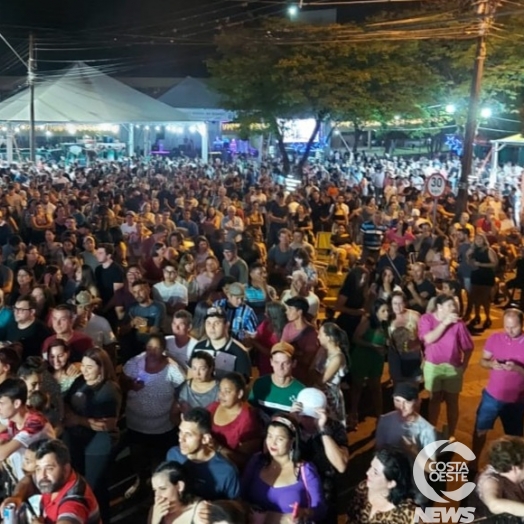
[{"x": 503, "y": 396}]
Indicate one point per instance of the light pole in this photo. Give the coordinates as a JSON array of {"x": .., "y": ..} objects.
[{"x": 485, "y": 11}]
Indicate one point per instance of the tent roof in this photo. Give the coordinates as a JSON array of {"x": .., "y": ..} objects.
[
  {"x": 192, "y": 93},
  {"x": 515, "y": 140},
  {"x": 84, "y": 94}
]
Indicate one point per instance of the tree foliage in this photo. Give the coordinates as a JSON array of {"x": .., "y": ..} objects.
[{"x": 286, "y": 70}]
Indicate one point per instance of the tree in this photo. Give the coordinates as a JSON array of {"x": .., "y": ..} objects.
[{"x": 286, "y": 70}]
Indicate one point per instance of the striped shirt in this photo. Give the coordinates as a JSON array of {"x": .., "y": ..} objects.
[{"x": 373, "y": 235}]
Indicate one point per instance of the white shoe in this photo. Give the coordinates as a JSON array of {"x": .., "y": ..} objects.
[{"x": 131, "y": 491}]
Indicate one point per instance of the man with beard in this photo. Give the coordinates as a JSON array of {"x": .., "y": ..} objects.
[{"x": 66, "y": 496}]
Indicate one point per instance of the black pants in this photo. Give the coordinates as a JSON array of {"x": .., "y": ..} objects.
[
  {"x": 148, "y": 451},
  {"x": 91, "y": 455}
]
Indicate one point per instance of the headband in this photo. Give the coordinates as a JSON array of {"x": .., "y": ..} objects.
[{"x": 285, "y": 422}]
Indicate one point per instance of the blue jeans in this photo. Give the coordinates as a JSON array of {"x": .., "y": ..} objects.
[{"x": 511, "y": 415}]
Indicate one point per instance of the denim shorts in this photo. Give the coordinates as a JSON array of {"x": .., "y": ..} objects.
[{"x": 511, "y": 415}]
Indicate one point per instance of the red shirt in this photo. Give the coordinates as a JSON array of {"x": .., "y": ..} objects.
[
  {"x": 74, "y": 501},
  {"x": 79, "y": 343},
  {"x": 244, "y": 428},
  {"x": 268, "y": 339}
]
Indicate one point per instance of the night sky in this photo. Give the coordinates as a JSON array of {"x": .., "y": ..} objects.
[{"x": 127, "y": 37}]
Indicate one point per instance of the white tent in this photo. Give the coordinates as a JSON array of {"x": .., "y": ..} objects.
[
  {"x": 198, "y": 100},
  {"x": 498, "y": 146},
  {"x": 194, "y": 97},
  {"x": 84, "y": 94}
]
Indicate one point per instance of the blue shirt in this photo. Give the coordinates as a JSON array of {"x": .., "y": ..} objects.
[
  {"x": 216, "y": 479},
  {"x": 192, "y": 228},
  {"x": 240, "y": 319},
  {"x": 6, "y": 316}
]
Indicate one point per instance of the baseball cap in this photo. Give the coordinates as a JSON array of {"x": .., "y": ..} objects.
[
  {"x": 215, "y": 312},
  {"x": 84, "y": 298},
  {"x": 311, "y": 400},
  {"x": 236, "y": 289},
  {"x": 407, "y": 391},
  {"x": 283, "y": 347},
  {"x": 415, "y": 213},
  {"x": 229, "y": 246}
]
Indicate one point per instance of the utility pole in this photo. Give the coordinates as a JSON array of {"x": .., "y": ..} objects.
[
  {"x": 31, "y": 82},
  {"x": 485, "y": 11}
]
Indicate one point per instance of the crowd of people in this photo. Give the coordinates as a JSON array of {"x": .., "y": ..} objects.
[{"x": 186, "y": 313}]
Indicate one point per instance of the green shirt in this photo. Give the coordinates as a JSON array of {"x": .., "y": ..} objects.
[{"x": 270, "y": 398}]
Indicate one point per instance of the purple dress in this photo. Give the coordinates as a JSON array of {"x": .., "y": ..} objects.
[{"x": 307, "y": 491}]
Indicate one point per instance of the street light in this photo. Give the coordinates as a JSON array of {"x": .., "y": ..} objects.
[
  {"x": 486, "y": 112},
  {"x": 450, "y": 109},
  {"x": 292, "y": 11}
]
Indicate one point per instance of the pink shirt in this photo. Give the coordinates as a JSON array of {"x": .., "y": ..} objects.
[
  {"x": 449, "y": 347},
  {"x": 506, "y": 386}
]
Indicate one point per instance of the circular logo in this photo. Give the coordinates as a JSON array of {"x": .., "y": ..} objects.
[{"x": 443, "y": 471}]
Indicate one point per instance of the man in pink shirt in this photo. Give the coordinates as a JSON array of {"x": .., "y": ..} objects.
[
  {"x": 448, "y": 346},
  {"x": 503, "y": 396}
]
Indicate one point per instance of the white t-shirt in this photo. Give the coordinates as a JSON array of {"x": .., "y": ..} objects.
[
  {"x": 148, "y": 410},
  {"x": 99, "y": 329},
  {"x": 312, "y": 299},
  {"x": 181, "y": 354},
  {"x": 127, "y": 229},
  {"x": 172, "y": 295}
]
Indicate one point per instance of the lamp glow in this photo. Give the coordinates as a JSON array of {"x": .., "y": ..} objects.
[
  {"x": 450, "y": 109},
  {"x": 292, "y": 11},
  {"x": 486, "y": 112}
]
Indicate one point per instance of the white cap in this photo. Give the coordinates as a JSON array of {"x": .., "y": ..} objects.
[{"x": 311, "y": 399}]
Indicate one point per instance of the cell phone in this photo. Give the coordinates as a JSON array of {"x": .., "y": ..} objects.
[{"x": 294, "y": 513}]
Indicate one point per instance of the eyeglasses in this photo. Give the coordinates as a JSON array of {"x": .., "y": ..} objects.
[
  {"x": 22, "y": 308},
  {"x": 170, "y": 271}
]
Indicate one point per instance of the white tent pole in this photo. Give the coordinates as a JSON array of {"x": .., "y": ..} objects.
[
  {"x": 494, "y": 165},
  {"x": 202, "y": 128},
  {"x": 131, "y": 140},
  {"x": 9, "y": 144}
]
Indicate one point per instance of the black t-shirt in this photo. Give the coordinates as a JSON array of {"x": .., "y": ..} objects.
[
  {"x": 242, "y": 363},
  {"x": 106, "y": 278},
  {"x": 312, "y": 448},
  {"x": 340, "y": 239},
  {"x": 31, "y": 337},
  {"x": 100, "y": 401},
  {"x": 426, "y": 290},
  {"x": 278, "y": 212}
]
